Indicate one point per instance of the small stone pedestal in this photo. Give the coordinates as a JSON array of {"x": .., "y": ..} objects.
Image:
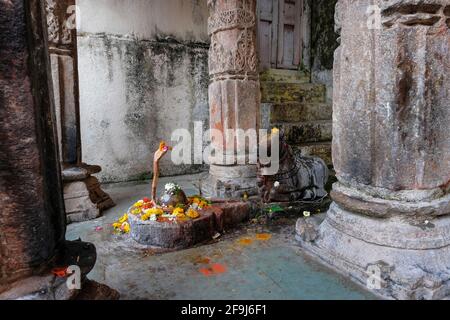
[{"x": 84, "y": 199}]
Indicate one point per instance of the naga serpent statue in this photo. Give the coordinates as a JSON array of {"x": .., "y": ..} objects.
[{"x": 299, "y": 178}]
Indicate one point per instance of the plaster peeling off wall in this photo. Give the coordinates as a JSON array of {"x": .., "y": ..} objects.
[{"x": 143, "y": 73}]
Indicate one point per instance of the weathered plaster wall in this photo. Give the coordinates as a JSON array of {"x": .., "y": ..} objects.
[
  {"x": 323, "y": 42},
  {"x": 143, "y": 72}
]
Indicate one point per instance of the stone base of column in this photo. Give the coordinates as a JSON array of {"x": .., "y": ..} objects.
[
  {"x": 230, "y": 182},
  {"x": 84, "y": 199},
  {"x": 410, "y": 252},
  {"x": 50, "y": 286}
]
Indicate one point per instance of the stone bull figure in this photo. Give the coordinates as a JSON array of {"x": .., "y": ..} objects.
[{"x": 299, "y": 178}]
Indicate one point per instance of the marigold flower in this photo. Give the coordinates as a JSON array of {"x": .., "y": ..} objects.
[
  {"x": 139, "y": 204},
  {"x": 124, "y": 218},
  {"x": 125, "y": 227},
  {"x": 178, "y": 211},
  {"x": 155, "y": 211},
  {"x": 136, "y": 211},
  {"x": 193, "y": 214}
]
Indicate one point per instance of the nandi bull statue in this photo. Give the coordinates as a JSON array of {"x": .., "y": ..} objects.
[{"x": 299, "y": 178}]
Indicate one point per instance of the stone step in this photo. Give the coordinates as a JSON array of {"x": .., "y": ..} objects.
[
  {"x": 282, "y": 92},
  {"x": 305, "y": 132},
  {"x": 318, "y": 149},
  {"x": 280, "y": 75},
  {"x": 300, "y": 112}
]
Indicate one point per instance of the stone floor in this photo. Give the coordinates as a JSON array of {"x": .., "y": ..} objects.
[{"x": 254, "y": 261}]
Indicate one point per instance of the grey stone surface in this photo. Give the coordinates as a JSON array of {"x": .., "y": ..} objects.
[
  {"x": 85, "y": 200},
  {"x": 389, "y": 224},
  {"x": 172, "y": 235},
  {"x": 307, "y": 229}
]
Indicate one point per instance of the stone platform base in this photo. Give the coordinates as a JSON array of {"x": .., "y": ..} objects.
[
  {"x": 230, "y": 182},
  {"x": 85, "y": 200},
  {"x": 398, "y": 257},
  {"x": 221, "y": 216}
]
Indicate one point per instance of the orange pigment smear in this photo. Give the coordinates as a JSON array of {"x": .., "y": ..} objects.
[
  {"x": 206, "y": 272},
  {"x": 218, "y": 268},
  {"x": 214, "y": 269},
  {"x": 245, "y": 241},
  {"x": 263, "y": 236}
]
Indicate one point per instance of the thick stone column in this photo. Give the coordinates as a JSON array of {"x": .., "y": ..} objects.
[
  {"x": 234, "y": 92},
  {"x": 84, "y": 198},
  {"x": 32, "y": 216},
  {"x": 32, "y": 221},
  {"x": 391, "y": 150}
]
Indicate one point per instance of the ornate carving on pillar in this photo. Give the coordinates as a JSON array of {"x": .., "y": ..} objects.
[
  {"x": 83, "y": 196},
  {"x": 389, "y": 225},
  {"x": 234, "y": 91}
]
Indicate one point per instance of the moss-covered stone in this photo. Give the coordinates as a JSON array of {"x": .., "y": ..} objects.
[
  {"x": 317, "y": 131},
  {"x": 323, "y": 37},
  {"x": 300, "y": 112},
  {"x": 281, "y": 92}
]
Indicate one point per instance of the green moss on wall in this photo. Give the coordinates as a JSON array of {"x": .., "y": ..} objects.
[{"x": 323, "y": 37}]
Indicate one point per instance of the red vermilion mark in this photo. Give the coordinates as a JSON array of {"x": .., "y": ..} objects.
[
  {"x": 218, "y": 268},
  {"x": 60, "y": 272},
  {"x": 214, "y": 269}
]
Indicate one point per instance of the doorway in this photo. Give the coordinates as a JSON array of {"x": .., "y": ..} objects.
[{"x": 280, "y": 34}]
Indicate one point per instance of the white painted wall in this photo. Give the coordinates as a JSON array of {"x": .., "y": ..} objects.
[
  {"x": 146, "y": 19},
  {"x": 143, "y": 72}
]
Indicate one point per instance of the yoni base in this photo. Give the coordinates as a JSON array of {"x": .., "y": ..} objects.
[
  {"x": 85, "y": 200},
  {"x": 396, "y": 257},
  {"x": 222, "y": 215}
]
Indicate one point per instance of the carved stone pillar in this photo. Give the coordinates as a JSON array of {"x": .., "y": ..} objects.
[
  {"x": 32, "y": 216},
  {"x": 389, "y": 225},
  {"x": 234, "y": 92},
  {"x": 83, "y": 196}
]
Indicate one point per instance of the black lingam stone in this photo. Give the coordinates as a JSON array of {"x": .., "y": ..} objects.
[{"x": 173, "y": 199}]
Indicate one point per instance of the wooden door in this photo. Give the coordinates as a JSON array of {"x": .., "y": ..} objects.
[
  {"x": 280, "y": 34},
  {"x": 268, "y": 33}
]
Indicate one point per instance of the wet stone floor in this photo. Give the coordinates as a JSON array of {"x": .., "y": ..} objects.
[{"x": 255, "y": 261}]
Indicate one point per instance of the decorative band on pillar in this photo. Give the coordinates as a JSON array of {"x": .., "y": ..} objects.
[{"x": 238, "y": 60}]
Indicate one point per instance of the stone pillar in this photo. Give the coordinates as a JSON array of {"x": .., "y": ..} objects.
[
  {"x": 389, "y": 225},
  {"x": 32, "y": 216},
  {"x": 32, "y": 221},
  {"x": 234, "y": 92},
  {"x": 83, "y": 196}
]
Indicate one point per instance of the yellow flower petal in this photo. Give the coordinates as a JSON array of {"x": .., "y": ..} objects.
[
  {"x": 124, "y": 218},
  {"x": 192, "y": 214}
]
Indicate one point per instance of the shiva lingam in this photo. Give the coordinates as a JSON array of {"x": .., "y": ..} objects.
[
  {"x": 173, "y": 220},
  {"x": 299, "y": 178}
]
